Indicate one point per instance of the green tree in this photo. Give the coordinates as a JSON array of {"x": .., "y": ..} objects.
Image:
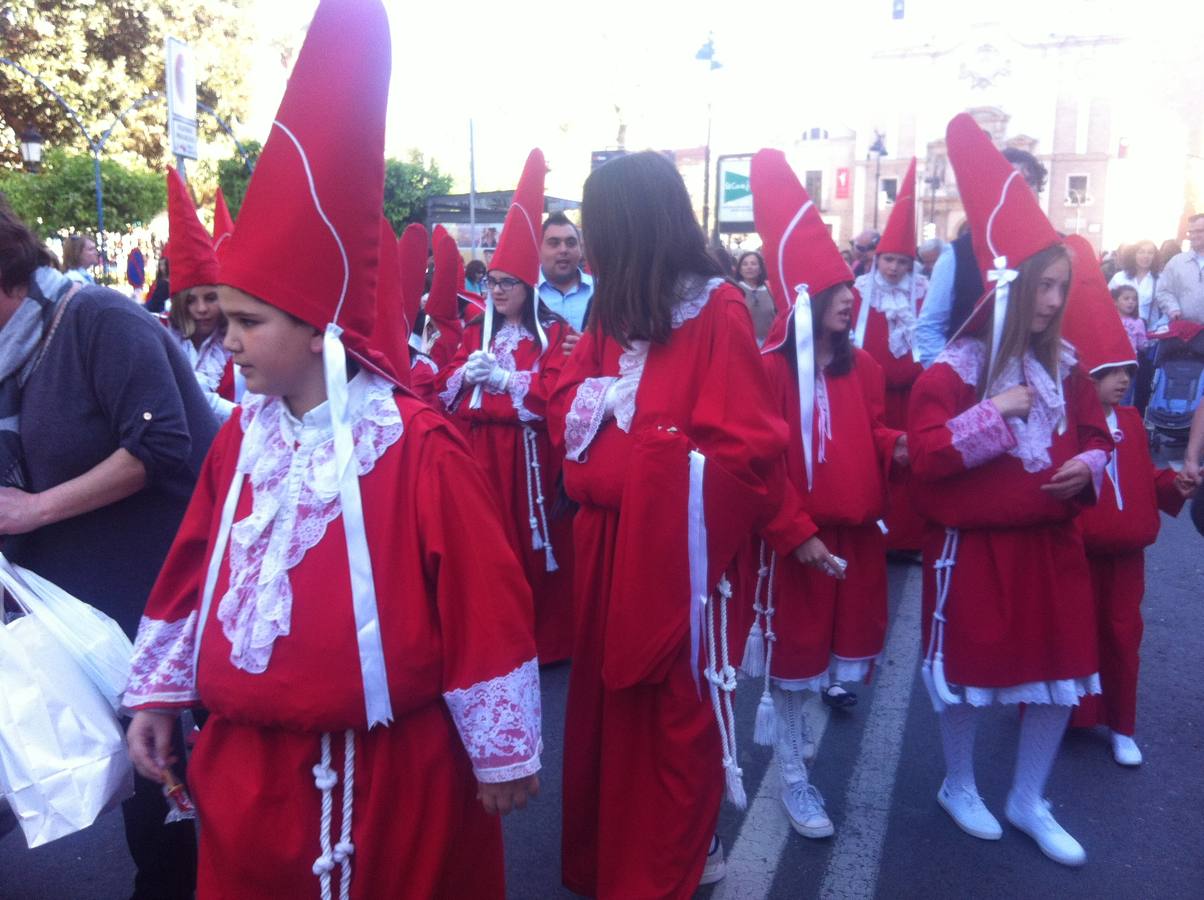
[
  {"x": 233, "y": 177},
  {"x": 408, "y": 184},
  {"x": 62, "y": 197},
  {"x": 101, "y": 57}
]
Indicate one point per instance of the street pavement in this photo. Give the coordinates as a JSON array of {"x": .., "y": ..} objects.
[{"x": 878, "y": 767}]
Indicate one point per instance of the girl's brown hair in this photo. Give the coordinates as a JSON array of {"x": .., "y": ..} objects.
[
  {"x": 1017, "y": 326},
  {"x": 643, "y": 241},
  {"x": 73, "y": 249}
]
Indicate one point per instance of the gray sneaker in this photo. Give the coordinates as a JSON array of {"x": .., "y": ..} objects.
[
  {"x": 805, "y": 809},
  {"x": 715, "y": 868}
]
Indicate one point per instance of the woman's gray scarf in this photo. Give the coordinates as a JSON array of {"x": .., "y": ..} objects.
[{"x": 20, "y": 339}]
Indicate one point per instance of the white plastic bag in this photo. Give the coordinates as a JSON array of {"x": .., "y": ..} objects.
[
  {"x": 93, "y": 640},
  {"x": 63, "y": 759}
]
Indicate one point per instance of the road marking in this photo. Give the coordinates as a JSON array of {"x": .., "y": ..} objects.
[
  {"x": 753, "y": 859},
  {"x": 852, "y": 872}
]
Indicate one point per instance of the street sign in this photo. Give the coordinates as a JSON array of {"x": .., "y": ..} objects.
[
  {"x": 735, "y": 204},
  {"x": 181, "y": 98}
]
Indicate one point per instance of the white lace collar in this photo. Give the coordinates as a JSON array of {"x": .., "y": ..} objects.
[
  {"x": 1034, "y": 434},
  {"x": 295, "y": 495}
]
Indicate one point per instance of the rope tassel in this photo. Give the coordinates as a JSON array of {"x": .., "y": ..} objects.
[
  {"x": 541, "y": 536},
  {"x": 933, "y": 669},
  {"x": 753, "y": 663},
  {"x": 721, "y": 677},
  {"x": 765, "y": 727}
]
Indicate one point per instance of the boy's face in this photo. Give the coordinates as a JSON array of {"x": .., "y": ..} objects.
[
  {"x": 893, "y": 266},
  {"x": 1126, "y": 303},
  {"x": 1112, "y": 386},
  {"x": 277, "y": 354}
]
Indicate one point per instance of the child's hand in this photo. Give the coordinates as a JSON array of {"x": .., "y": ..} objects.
[
  {"x": 1185, "y": 485},
  {"x": 505, "y": 796},
  {"x": 900, "y": 454},
  {"x": 1069, "y": 480}
]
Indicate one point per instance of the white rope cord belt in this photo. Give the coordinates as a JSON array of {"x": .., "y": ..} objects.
[
  {"x": 325, "y": 779},
  {"x": 933, "y": 669},
  {"x": 541, "y": 537}
]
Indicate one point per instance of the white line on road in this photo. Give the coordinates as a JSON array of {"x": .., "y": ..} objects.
[
  {"x": 852, "y": 872},
  {"x": 753, "y": 860}
]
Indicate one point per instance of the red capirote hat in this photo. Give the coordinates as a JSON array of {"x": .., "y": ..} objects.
[
  {"x": 797, "y": 246},
  {"x": 192, "y": 259},
  {"x": 446, "y": 283},
  {"x": 223, "y": 222},
  {"x": 390, "y": 333},
  {"x": 412, "y": 250},
  {"x": 899, "y": 236},
  {"x": 307, "y": 234},
  {"x": 1005, "y": 218},
  {"x": 1091, "y": 322},
  {"x": 517, "y": 252}
]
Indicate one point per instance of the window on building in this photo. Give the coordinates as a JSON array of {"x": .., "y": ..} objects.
[
  {"x": 889, "y": 187},
  {"x": 814, "y": 182},
  {"x": 1078, "y": 190}
]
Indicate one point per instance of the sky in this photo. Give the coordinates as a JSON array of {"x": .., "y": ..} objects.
[{"x": 564, "y": 77}]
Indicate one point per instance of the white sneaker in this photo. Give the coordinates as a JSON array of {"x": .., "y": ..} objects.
[
  {"x": 1125, "y": 750},
  {"x": 715, "y": 867},
  {"x": 1039, "y": 824},
  {"x": 968, "y": 812},
  {"x": 805, "y": 810}
]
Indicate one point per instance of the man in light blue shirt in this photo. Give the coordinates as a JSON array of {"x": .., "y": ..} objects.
[{"x": 563, "y": 287}]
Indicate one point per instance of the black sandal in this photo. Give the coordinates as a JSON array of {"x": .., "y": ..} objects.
[{"x": 838, "y": 698}]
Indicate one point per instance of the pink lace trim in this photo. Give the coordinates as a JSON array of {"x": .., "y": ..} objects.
[
  {"x": 1034, "y": 435},
  {"x": 450, "y": 395},
  {"x": 1097, "y": 462},
  {"x": 161, "y": 669},
  {"x": 824, "y": 419},
  {"x": 585, "y": 416},
  {"x": 499, "y": 723},
  {"x": 980, "y": 434},
  {"x": 295, "y": 496}
]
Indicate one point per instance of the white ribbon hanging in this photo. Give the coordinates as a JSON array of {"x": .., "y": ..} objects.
[
  {"x": 486, "y": 337},
  {"x": 804, "y": 351},
  {"x": 863, "y": 310},
  {"x": 363, "y": 587},
  {"x": 1113, "y": 467},
  {"x": 1002, "y": 277},
  {"x": 696, "y": 536}
]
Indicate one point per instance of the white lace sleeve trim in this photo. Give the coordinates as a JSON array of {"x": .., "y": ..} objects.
[
  {"x": 1097, "y": 462},
  {"x": 450, "y": 396},
  {"x": 161, "y": 670},
  {"x": 499, "y": 723},
  {"x": 585, "y": 416},
  {"x": 980, "y": 434}
]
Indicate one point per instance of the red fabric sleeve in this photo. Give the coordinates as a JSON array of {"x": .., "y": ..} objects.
[
  {"x": 934, "y": 402},
  {"x": 1170, "y": 501}
]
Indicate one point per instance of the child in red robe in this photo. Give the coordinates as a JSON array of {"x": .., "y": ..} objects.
[
  {"x": 1007, "y": 445},
  {"x": 889, "y": 299},
  {"x": 1125, "y": 521},
  {"x": 673, "y": 453},
  {"x": 827, "y": 615},
  {"x": 320, "y": 600},
  {"x": 497, "y": 387}
]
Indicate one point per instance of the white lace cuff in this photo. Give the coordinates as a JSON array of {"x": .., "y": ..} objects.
[
  {"x": 585, "y": 416},
  {"x": 450, "y": 396},
  {"x": 980, "y": 434},
  {"x": 518, "y": 388},
  {"x": 1097, "y": 461},
  {"x": 499, "y": 723},
  {"x": 161, "y": 670}
]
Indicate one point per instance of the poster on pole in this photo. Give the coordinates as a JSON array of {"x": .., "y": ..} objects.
[
  {"x": 735, "y": 204},
  {"x": 181, "y": 99}
]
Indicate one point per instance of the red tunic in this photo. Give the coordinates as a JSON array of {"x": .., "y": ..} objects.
[
  {"x": 1116, "y": 539},
  {"x": 1019, "y": 608},
  {"x": 642, "y": 778},
  {"x": 508, "y": 436},
  {"x": 456, "y": 632},
  {"x": 904, "y": 524},
  {"x": 821, "y": 622}
]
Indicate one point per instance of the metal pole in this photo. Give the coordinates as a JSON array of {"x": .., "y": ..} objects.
[
  {"x": 706, "y": 179},
  {"x": 877, "y": 185},
  {"x": 718, "y": 204},
  {"x": 100, "y": 209},
  {"x": 472, "y": 191}
]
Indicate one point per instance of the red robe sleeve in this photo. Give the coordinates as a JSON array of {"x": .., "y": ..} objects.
[
  {"x": 1170, "y": 501},
  {"x": 946, "y": 439},
  {"x": 162, "y": 674}
]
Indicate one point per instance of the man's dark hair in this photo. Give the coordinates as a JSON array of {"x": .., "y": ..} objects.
[
  {"x": 559, "y": 218},
  {"x": 1034, "y": 173},
  {"x": 20, "y": 252}
]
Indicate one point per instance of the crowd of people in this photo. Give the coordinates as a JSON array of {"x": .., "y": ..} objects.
[{"x": 349, "y": 494}]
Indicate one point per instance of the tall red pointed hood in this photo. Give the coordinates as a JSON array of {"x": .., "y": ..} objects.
[
  {"x": 899, "y": 236},
  {"x": 223, "y": 222},
  {"x": 797, "y": 246},
  {"x": 446, "y": 283},
  {"x": 517, "y": 252},
  {"x": 413, "y": 254},
  {"x": 1005, "y": 218},
  {"x": 192, "y": 259},
  {"x": 307, "y": 234},
  {"x": 1091, "y": 322},
  {"x": 390, "y": 333}
]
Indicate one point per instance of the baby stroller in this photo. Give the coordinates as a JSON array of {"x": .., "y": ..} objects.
[{"x": 1178, "y": 383}]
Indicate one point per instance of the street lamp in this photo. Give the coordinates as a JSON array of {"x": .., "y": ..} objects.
[
  {"x": 31, "y": 149},
  {"x": 877, "y": 150},
  {"x": 707, "y": 54}
]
